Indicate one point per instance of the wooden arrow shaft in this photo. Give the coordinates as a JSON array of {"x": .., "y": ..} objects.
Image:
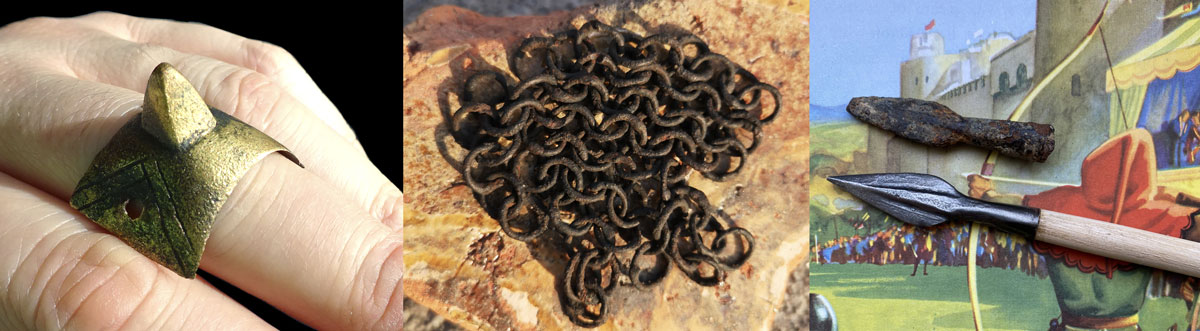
[{"x": 1120, "y": 242}]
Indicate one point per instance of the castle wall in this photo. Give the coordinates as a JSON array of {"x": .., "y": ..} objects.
[
  {"x": 1075, "y": 102},
  {"x": 1012, "y": 75}
]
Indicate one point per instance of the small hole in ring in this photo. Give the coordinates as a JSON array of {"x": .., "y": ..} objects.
[{"x": 133, "y": 208}]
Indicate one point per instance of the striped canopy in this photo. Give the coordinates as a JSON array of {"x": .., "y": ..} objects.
[{"x": 1175, "y": 52}]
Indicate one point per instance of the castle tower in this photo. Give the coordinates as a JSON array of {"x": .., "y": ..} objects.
[
  {"x": 925, "y": 65},
  {"x": 926, "y": 44}
]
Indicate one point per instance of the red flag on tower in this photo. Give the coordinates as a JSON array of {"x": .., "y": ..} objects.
[{"x": 930, "y": 25}]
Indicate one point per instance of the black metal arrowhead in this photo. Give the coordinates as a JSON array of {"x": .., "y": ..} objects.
[{"x": 927, "y": 200}]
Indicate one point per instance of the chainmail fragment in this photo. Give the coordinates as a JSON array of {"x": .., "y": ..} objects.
[{"x": 594, "y": 145}]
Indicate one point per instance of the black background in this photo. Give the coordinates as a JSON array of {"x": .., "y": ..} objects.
[{"x": 352, "y": 54}]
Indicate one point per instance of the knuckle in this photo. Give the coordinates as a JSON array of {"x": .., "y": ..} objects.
[
  {"x": 257, "y": 91},
  {"x": 388, "y": 206},
  {"x": 249, "y": 96},
  {"x": 378, "y": 296},
  {"x": 106, "y": 15},
  {"x": 85, "y": 285},
  {"x": 32, "y": 24},
  {"x": 268, "y": 58},
  {"x": 138, "y": 54},
  {"x": 97, "y": 305},
  {"x": 144, "y": 51}
]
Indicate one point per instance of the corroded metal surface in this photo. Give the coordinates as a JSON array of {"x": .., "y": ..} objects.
[
  {"x": 160, "y": 181},
  {"x": 934, "y": 124},
  {"x": 461, "y": 265},
  {"x": 593, "y": 147}
]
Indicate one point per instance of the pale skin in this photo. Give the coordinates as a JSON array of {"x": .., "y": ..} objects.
[{"x": 323, "y": 243}]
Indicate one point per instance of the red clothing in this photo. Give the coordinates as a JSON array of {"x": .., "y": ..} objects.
[{"x": 1127, "y": 158}]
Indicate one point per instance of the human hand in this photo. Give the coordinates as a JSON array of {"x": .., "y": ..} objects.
[
  {"x": 323, "y": 244},
  {"x": 978, "y": 186}
]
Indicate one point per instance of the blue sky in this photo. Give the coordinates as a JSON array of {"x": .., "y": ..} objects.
[{"x": 857, "y": 45}]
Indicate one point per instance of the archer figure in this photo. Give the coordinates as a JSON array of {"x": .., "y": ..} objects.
[{"x": 1096, "y": 292}]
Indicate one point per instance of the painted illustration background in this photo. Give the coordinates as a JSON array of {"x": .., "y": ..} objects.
[{"x": 1116, "y": 80}]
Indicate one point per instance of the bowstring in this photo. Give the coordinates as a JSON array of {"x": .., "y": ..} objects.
[{"x": 1117, "y": 89}]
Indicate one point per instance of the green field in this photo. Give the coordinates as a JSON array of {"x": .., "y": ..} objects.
[
  {"x": 839, "y": 139},
  {"x": 873, "y": 297},
  {"x": 832, "y": 152}
]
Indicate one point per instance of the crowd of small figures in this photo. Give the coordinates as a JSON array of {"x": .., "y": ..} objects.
[{"x": 944, "y": 245}]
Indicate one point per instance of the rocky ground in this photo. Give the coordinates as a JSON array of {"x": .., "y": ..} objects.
[
  {"x": 794, "y": 312},
  {"x": 414, "y": 8}
]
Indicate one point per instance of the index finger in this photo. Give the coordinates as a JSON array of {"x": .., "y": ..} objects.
[{"x": 265, "y": 58}]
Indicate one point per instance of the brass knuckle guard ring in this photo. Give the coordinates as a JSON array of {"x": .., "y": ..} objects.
[{"x": 160, "y": 181}]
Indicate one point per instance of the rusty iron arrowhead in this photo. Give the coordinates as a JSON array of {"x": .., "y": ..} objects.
[{"x": 934, "y": 124}]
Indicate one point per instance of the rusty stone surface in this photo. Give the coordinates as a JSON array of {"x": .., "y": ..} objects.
[{"x": 462, "y": 266}]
